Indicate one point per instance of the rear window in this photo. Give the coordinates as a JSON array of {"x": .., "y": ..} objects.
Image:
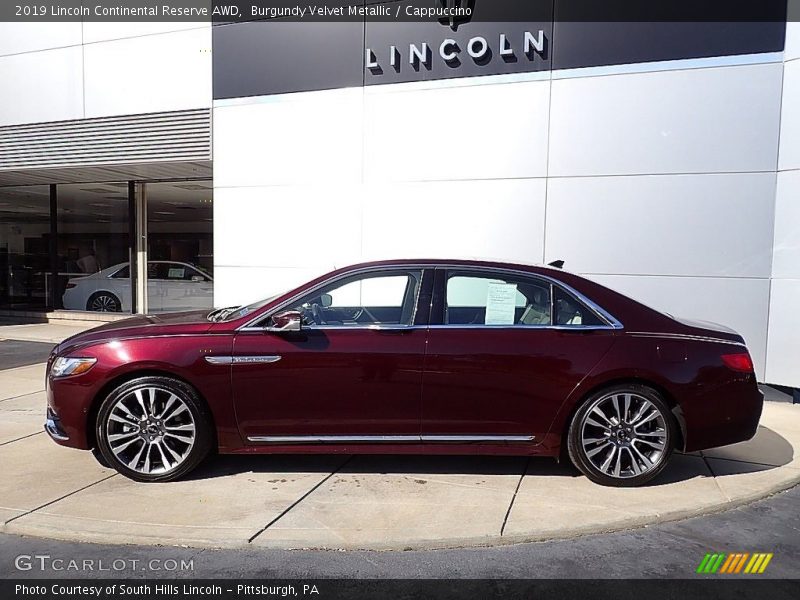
[{"x": 571, "y": 311}]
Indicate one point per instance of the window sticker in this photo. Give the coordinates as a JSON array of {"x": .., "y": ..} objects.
[
  {"x": 501, "y": 303},
  {"x": 176, "y": 273}
]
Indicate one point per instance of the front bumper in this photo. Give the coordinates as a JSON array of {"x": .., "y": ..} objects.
[
  {"x": 68, "y": 403},
  {"x": 52, "y": 426}
]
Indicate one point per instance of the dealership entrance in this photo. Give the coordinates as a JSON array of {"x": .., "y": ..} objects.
[
  {"x": 108, "y": 214},
  {"x": 113, "y": 246}
]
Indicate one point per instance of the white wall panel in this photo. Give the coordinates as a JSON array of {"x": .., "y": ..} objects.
[
  {"x": 712, "y": 225},
  {"x": 783, "y": 349},
  {"x": 97, "y": 31},
  {"x": 792, "y": 48},
  {"x": 31, "y": 36},
  {"x": 737, "y": 303},
  {"x": 790, "y": 117},
  {"x": 472, "y": 132},
  {"x": 477, "y": 219},
  {"x": 155, "y": 73},
  {"x": 287, "y": 226},
  {"x": 47, "y": 86},
  {"x": 290, "y": 138},
  {"x": 689, "y": 121},
  {"x": 234, "y": 286},
  {"x": 786, "y": 254}
]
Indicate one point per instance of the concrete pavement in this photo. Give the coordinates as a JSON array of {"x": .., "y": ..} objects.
[
  {"x": 362, "y": 502},
  {"x": 665, "y": 550},
  {"x": 43, "y": 332}
]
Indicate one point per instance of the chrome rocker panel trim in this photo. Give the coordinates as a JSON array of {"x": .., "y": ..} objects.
[{"x": 361, "y": 439}]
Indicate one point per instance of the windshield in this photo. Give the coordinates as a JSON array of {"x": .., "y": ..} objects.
[{"x": 232, "y": 313}]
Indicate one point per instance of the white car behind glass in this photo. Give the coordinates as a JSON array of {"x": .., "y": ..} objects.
[{"x": 171, "y": 286}]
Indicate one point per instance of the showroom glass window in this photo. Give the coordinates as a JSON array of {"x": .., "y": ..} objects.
[
  {"x": 24, "y": 247},
  {"x": 180, "y": 246},
  {"x": 382, "y": 298},
  {"x": 93, "y": 243}
]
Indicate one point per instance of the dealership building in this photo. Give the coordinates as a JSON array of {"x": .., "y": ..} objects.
[{"x": 659, "y": 159}]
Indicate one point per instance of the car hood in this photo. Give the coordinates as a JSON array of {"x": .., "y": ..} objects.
[{"x": 187, "y": 322}]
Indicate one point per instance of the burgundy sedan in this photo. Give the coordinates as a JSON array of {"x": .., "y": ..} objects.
[{"x": 408, "y": 356}]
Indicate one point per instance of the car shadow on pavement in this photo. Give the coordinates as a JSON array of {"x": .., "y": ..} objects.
[{"x": 767, "y": 450}]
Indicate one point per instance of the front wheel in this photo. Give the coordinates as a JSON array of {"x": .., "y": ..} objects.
[
  {"x": 153, "y": 429},
  {"x": 622, "y": 436}
]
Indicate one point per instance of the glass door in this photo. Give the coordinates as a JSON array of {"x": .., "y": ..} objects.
[{"x": 180, "y": 258}]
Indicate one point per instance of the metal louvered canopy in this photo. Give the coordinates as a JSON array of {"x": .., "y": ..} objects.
[{"x": 148, "y": 146}]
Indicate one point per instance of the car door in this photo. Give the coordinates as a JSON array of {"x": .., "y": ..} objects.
[
  {"x": 504, "y": 351},
  {"x": 353, "y": 373}
]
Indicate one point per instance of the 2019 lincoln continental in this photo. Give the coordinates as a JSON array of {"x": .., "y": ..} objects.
[{"x": 408, "y": 356}]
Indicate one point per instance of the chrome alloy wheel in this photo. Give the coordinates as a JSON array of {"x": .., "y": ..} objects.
[
  {"x": 150, "y": 430},
  {"x": 624, "y": 435}
]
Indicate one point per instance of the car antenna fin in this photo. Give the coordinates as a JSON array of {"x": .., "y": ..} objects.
[{"x": 558, "y": 264}]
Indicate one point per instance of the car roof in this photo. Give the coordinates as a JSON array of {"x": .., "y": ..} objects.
[{"x": 454, "y": 262}]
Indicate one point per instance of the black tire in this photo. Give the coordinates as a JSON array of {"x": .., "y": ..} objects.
[
  {"x": 191, "y": 455},
  {"x": 100, "y": 458},
  {"x": 622, "y": 437},
  {"x": 103, "y": 302}
]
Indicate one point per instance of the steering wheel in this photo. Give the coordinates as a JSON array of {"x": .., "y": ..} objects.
[{"x": 316, "y": 310}]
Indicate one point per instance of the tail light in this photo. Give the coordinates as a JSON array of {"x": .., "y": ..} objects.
[
  {"x": 738, "y": 362},
  {"x": 69, "y": 286}
]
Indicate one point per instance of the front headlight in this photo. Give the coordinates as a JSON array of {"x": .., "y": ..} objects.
[{"x": 64, "y": 366}]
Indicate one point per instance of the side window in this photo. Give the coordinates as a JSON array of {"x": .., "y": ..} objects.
[
  {"x": 473, "y": 299},
  {"x": 570, "y": 311},
  {"x": 175, "y": 271},
  {"x": 372, "y": 299},
  {"x": 170, "y": 271},
  {"x": 123, "y": 273}
]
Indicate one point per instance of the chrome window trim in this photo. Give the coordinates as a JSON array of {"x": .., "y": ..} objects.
[
  {"x": 611, "y": 321},
  {"x": 287, "y": 303},
  {"x": 600, "y": 312},
  {"x": 347, "y": 439}
]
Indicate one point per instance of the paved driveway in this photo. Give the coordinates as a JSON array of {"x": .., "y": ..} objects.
[{"x": 370, "y": 502}]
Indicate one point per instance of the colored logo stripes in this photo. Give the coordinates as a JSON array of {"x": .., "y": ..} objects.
[{"x": 735, "y": 562}]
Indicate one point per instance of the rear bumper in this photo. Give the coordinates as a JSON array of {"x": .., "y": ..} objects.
[{"x": 722, "y": 414}]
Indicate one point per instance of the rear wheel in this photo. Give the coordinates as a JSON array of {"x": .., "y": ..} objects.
[
  {"x": 622, "y": 436},
  {"x": 153, "y": 429},
  {"x": 103, "y": 302}
]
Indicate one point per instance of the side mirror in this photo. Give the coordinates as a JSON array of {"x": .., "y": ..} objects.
[
  {"x": 198, "y": 278},
  {"x": 289, "y": 320},
  {"x": 326, "y": 300}
]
